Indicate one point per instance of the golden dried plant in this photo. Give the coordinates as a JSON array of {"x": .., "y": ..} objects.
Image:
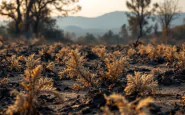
[
  {"x": 77, "y": 87},
  {"x": 100, "y": 51},
  {"x": 51, "y": 67},
  {"x": 1, "y": 44},
  {"x": 142, "y": 84},
  {"x": 142, "y": 49},
  {"x": 21, "y": 58},
  {"x": 183, "y": 100},
  {"x": 131, "y": 52},
  {"x": 160, "y": 50},
  {"x": 34, "y": 85},
  {"x": 47, "y": 50},
  {"x": 181, "y": 60},
  {"x": 36, "y": 41},
  {"x": 31, "y": 62},
  {"x": 155, "y": 71},
  {"x": 14, "y": 63},
  {"x": 63, "y": 55},
  {"x": 117, "y": 53},
  {"x": 115, "y": 67},
  {"x": 3, "y": 81},
  {"x": 171, "y": 53},
  {"x": 152, "y": 54},
  {"x": 43, "y": 51},
  {"x": 127, "y": 108},
  {"x": 74, "y": 67}
]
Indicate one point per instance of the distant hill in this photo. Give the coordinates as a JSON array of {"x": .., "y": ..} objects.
[
  {"x": 110, "y": 20},
  {"x": 101, "y": 24},
  {"x": 98, "y": 25}
]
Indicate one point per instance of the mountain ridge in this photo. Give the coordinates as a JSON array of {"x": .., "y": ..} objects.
[{"x": 100, "y": 24}]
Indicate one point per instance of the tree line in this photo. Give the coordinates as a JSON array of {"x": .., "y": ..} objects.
[
  {"x": 34, "y": 16},
  {"x": 29, "y": 16},
  {"x": 143, "y": 10}
]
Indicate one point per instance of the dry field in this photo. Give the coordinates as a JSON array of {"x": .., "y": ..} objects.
[{"x": 59, "y": 79}]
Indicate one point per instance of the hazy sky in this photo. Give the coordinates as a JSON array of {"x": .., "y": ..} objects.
[{"x": 93, "y": 8}]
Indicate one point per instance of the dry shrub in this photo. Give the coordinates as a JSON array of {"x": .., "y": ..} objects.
[
  {"x": 131, "y": 52},
  {"x": 143, "y": 84},
  {"x": 77, "y": 87},
  {"x": 14, "y": 63},
  {"x": 156, "y": 71},
  {"x": 31, "y": 62},
  {"x": 181, "y": 60},
  {"x": 3, "y": 81},
  {"x": 171, "y": 53},
  {"x": 143, "y": 50},
  {"x": 34, "y": 85},
  {"x": 75, "y": 67},
  {"x": 127, "y": 108},
  {"x": 100, "y": 51},
  {"x": 63, "y": 55},
  {"x": 51, "y": 67},
  {"x": 115, "y": 67}
]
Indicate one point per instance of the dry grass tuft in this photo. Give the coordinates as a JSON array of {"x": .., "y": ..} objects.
[
  {"x": 141, "y": 83},
  {"x": 74, "y": 67},
  {"x": 127, "y": 108},
  {"x": 31, "y": 62},
  {"x": 115, "y": 67},
  {"x": 34, "y": 85}
]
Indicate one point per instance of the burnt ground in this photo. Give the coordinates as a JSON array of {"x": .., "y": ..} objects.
[{"x": 168, "y": 97}]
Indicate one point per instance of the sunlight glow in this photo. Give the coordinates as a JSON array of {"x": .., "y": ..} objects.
[{"x": 93, "y": 8}]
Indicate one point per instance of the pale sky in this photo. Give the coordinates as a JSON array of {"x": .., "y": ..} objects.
[{"x": 93, "y": 8}]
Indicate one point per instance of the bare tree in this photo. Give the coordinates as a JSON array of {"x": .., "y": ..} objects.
[
  {"x": 140, "y": 13},
  {"x": 167, "y": 12},
  {"x": 12, "y": 9},
  {"x": 42, "y": 9},
  {"x": 35, "y": 11}
]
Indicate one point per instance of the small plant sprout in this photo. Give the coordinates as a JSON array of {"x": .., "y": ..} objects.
[
  {"x": 115, "y": 67},
  {"x": 34, "y": 85},
  {"x": 3, "y": 81},
  {"x": 31, "y": 62},
  {"x": 74, "y": 67},
  {"x": 142, "y": 84},
  {"x": 14, "y": 63},
  {"x": 127, "y": 108}
]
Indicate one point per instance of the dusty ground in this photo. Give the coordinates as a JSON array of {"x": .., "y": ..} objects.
[{"x": 168, "y": 95}]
